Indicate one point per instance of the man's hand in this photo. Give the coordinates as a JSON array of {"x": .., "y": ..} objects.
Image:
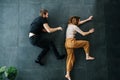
[
  {"x": 90, "y": 18},
  {"x": 60, "y": 28}
]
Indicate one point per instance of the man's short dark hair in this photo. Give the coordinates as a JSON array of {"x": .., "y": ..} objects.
[{"x": 43, "y": 12}]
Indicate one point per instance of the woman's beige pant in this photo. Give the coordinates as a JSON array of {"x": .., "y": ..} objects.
[{"x": 70, "y": 44}]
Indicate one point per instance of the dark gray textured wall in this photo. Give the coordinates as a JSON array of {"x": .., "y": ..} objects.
[
  {"x": 112, "y": 16},
  {"x": 16, "y": 50}
]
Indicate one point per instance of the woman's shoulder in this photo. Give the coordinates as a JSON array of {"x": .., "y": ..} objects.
[{"x": 72, "y": 25}]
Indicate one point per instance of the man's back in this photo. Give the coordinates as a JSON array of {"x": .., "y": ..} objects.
[{"x": 37, "y": 25}]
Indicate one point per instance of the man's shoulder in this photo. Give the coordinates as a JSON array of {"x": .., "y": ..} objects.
[
  {"x": 41, "y": 18},
  {"x": 38, "y": 19}
]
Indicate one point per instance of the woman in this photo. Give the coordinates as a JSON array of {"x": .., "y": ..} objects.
[{"x": 72, "y": 43}]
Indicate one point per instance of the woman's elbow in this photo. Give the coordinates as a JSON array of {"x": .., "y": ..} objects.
[
  {"x": 83, "y": 34},
  {"x": 49, "y": 31}
]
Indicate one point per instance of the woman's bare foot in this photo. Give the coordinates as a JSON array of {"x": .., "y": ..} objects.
[
  {"x": 90, "y": 58},
  {"x": 68, "y": 77}
]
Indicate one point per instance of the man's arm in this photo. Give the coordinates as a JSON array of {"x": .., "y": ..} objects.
[
  {"x": 86, "y": 20},
  {"x": 49, "y": 29}
]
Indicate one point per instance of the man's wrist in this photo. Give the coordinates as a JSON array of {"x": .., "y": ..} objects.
[
  {"x": 58, "y": 28},
  {"x": 89, "y": 32},
  {"x": 88, "y": 19}
]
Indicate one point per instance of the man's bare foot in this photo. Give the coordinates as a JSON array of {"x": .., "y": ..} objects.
[
  {"x": 90, "y": 58},
  {"x": 68, "y": 77}
]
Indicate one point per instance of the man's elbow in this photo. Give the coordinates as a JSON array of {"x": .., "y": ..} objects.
[{"x": 49, "y": 31}]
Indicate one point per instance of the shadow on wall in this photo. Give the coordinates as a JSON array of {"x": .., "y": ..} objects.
[{"x": 112, "y": 16}]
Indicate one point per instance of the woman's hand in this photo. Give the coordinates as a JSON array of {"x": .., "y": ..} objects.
[{"x": 91, "y": 30}]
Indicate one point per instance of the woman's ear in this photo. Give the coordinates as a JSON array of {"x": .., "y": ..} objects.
[{"x": 74, "y": 21}]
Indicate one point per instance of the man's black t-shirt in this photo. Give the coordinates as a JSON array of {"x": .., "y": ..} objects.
[{"x": 37, "y": 25}]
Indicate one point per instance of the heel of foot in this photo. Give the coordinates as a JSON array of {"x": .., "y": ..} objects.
[
  {"x": 90, "y": 58},
  {"x": 68, "y": 77}
]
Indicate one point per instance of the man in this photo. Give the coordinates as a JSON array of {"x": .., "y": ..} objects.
[{"x": 40, "y": 35}]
